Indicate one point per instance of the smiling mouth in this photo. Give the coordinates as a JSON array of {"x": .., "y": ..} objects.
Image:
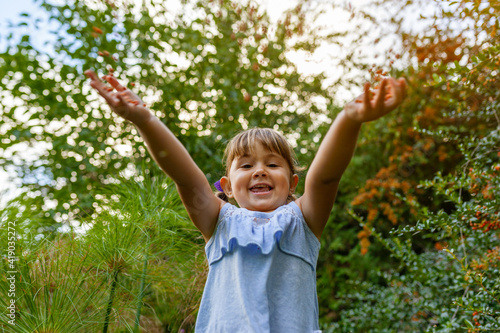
[{"x": 261, "y": 189}]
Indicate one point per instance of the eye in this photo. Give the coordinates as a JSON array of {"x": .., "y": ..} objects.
[
  {"x": 246, "y": 166},
  {"x": 272, "y": 165}
]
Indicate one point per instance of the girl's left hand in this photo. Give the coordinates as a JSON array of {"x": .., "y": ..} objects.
[{"x": 373, "y": 105}]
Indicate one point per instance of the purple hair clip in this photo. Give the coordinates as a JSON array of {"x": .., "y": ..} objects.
[{"x": 218, "y": 187}]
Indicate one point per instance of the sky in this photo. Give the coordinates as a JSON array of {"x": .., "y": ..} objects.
[{"x": 10, "y": 10}]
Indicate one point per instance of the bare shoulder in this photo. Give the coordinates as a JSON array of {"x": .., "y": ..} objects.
[{"x": 203, "y": 207}]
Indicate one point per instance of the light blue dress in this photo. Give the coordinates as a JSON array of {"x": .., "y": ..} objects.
[{"x": 262, "y": 273}]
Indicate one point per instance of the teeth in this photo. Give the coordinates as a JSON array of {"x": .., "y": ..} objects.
[{"x": 260, "y": 186}]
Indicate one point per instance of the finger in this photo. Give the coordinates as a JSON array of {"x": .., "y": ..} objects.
[
  {"x": 103, "y": 89},
  {"x": 398, "y": 88},
  {"x": 128, "y": 99},
  {"x": 114, "y": 83},
  {"x": 396, "y": 96},
  {"x": 106, "y": 92},
  {"x": 125, "y": 101},
  {"x": 96, "y": 83},
  {"x": 367, "y": 97},
  {"x": 402, "y": 84},
  {"x": 380, "y": 97},
  {"x": 91, "y": 74},
  {"x": 389, "y": 92}
]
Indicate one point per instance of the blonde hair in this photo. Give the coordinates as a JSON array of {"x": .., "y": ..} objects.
[{"x": 244, "y": 143}]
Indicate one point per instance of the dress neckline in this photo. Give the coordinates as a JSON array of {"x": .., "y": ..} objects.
[{"x": 256, "y": 213}]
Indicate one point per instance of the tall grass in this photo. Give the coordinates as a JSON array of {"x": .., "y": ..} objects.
[
  {"x": 111, "y": 277},
  {"x": 57, "y": 289}
]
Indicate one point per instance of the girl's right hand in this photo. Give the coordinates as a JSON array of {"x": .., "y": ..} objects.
[{"x": 122, "y": 101}]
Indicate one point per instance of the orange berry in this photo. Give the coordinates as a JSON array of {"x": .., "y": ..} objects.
[
  {"x": 132, "y": 84},
  {"x": 106, "y": 53},
  {"x": 97, "y": 30},
  {"x": 362, "y": 234},
  {"x": 100, "y": 53}
]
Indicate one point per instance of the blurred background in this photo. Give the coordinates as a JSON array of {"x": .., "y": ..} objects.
[{"x": 100, "y": 234}]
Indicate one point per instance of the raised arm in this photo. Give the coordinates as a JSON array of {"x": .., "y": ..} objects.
[
  {"x": 172, "y": 157},
  {"x": 337, "y": 148}
]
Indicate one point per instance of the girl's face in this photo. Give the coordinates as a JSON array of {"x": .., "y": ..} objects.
[{"x": 260, "y": 181}]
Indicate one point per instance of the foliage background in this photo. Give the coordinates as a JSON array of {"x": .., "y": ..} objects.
[{"x": 412, "y": 242}]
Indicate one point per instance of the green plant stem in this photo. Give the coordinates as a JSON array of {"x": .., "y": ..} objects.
[
  {"x": 110, "y": 303},
  {"x": 141, "y": 295}
]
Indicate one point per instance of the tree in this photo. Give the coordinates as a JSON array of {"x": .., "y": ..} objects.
[
  {"x": 223, "y": 69},
  {"x": 425, "y": 207},
  {"x": 207, "y": 76}
]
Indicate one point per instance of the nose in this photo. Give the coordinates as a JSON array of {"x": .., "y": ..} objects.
[{"x": 260, "y": 171}]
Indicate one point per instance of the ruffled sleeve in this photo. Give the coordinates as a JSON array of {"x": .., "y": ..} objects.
[{"x": 259, "y": 232}]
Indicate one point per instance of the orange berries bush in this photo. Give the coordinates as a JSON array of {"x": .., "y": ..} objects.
[{"x": 433, "y": 206}]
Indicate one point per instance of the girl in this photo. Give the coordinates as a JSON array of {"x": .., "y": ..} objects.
[{"x": 262, "y": 256}]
